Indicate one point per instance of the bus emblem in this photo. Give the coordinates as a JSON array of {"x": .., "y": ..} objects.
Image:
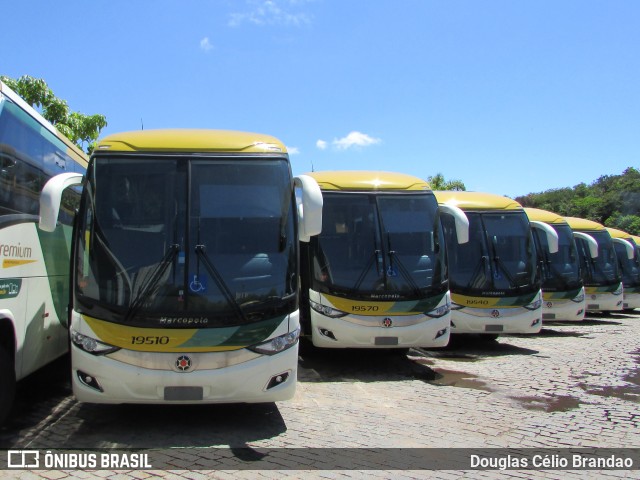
[
  {"x": 183, "y": 363},
  {"x": 495, "y": 313},
  {"x": 387, "y": 322}
]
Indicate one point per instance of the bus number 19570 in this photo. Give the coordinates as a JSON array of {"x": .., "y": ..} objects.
[{"x": 364, "y": 308}]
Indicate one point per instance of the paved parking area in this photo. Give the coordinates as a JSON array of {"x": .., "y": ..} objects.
[{"x": 573, "y": 386}]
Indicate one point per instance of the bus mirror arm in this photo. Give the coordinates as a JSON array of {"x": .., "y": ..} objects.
[
  {"x": 628, "y": 247},
  {"x": 461, "y": 221},
  {"x": 310, "y": 208},
  {"x": 51, "y": 197},
  {"x": 593, "y": 245},
  {"x": 551, "y": 234}
]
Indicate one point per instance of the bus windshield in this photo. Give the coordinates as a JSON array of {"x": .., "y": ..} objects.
[
  {"x": 499, "y": 257},
  {"x": 149, "y": 253},
  {"x": 560, "y": 270},
  {"x": 379, "y": 246},
  {"x": 602, "y": 270},
  {"x": 629, "y": 267}
]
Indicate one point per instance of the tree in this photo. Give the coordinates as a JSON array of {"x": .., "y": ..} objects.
[
  {"x": 613, "y": 200},
  {"x": 81, "y": 129},
  {"x": 438, "y": 182}
]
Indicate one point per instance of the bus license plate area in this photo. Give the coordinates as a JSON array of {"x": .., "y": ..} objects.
[
  {"x": 183, "y": 393},
  {"x": 386, "y": 341},
  {"x": 494, "y": 328}
]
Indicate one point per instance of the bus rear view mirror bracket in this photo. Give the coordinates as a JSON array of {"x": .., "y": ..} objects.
[
  {"x": 593, "y": 245},
  {"x": 310, "y": 207},
  {"x": 51, "y": 196},
  {"x": 461, "y": 221},
  {"x": 628, "y": 247},
  {"x": 550, "y": 233}
]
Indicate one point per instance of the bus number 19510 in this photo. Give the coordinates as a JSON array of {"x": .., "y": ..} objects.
[{"x": 141, "y": 340}]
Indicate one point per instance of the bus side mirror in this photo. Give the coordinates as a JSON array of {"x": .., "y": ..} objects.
[
  {"x": 627, "y": 246},
  {"x": 309, "y": 208},
  {"x": 550, "y": 233},
  {"x": 461, "y": 221},
  {"x": 51, "y": 196},
  {"x": 593, "y": 245}
]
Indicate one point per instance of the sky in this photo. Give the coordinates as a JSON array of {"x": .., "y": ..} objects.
[{"x": 508, "y": 96}]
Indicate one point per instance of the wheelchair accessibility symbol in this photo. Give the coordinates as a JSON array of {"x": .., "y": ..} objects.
[{"x": 198, "y": 284}]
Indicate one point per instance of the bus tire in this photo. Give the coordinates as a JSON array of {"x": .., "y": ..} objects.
[{"x": 7, "y": 384}]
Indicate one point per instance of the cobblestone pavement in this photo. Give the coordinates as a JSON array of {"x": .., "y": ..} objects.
[{"x": 573, "y": 385}]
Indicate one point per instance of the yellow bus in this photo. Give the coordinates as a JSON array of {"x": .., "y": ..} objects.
[
  {"x": 34, "y": 272},
  {"x": 636, "y": 241},
  {"x": 376, "y": 276},
  {"x": 494, "y": 278},
  {"x": 185, "y": 268},
  {"x": 562, "y": 287},
  {"x": 602, "y": 278},
  {"x": 629, "y": 264}
]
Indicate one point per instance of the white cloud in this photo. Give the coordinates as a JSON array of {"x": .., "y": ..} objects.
[
  {"x": 205, "y": 44},
  {"x": 321, "y": 144},
  {"x": 271, "y": 12},
  {"x": 293, "y": 150},
  {"x": 355, "y": 139}
]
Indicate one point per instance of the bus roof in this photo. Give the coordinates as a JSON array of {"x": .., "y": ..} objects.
[
  {"x": 582, "y": 224},
  {"x": 545, "y": 216},
  {"x": 185, "y": 140},
  {"x": 476, "y": 200},
  {"x": 366, "y": 180},
  {"x": 615, "y": 233},
  {"x": 72, "y": 149}
]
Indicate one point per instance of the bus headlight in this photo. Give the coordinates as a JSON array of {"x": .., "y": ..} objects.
[
  {"x": 277, "y": 344},
  {"x": 439, "y": 312},
  {"x": 579, "y": 298},
  {"x": 534, "y": 305},
  {"x": 326, "y": 310},
  {"x": 91, "y": 345}
]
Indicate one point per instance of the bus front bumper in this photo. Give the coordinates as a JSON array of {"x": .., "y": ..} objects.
[
  {"x": 330, "y": 332},
  {"x": 496, "y": 321},
  {"x": 262, "y": 378}
]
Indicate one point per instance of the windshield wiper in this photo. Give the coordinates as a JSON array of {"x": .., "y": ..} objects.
[
  {"x": 403, "y": 270},
  {"x": 501, "y": 266},
  {"x": 201, "y": 251},
  {"x": 152, "y": 280},
  {"x": 376, "y": 258},
  {"x": 479, "y": 276}
]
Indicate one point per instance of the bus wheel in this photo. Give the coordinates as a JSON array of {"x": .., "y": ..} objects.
[{"x": 7, "y": 384}]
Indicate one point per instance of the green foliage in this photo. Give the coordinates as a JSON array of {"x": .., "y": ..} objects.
[
  {"x": 81, "y": 129},
  {"x": 438, "y": 182},
  {"x": 613, "y": 200}
]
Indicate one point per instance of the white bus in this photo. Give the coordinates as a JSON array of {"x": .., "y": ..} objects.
[
  {"x": 562, "y": 286},
  {"x": 629, "y": 264},
  {"x": 185, "y": 268},
  {"x": 494, "y": 278},
  {"x": 34, "y": 268},
  {"x": 602, "y": 278},
  {"x": 376, "y": 276}
]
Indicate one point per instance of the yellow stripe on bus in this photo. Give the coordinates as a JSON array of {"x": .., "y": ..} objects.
[{"x": 136, "y": 338}]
